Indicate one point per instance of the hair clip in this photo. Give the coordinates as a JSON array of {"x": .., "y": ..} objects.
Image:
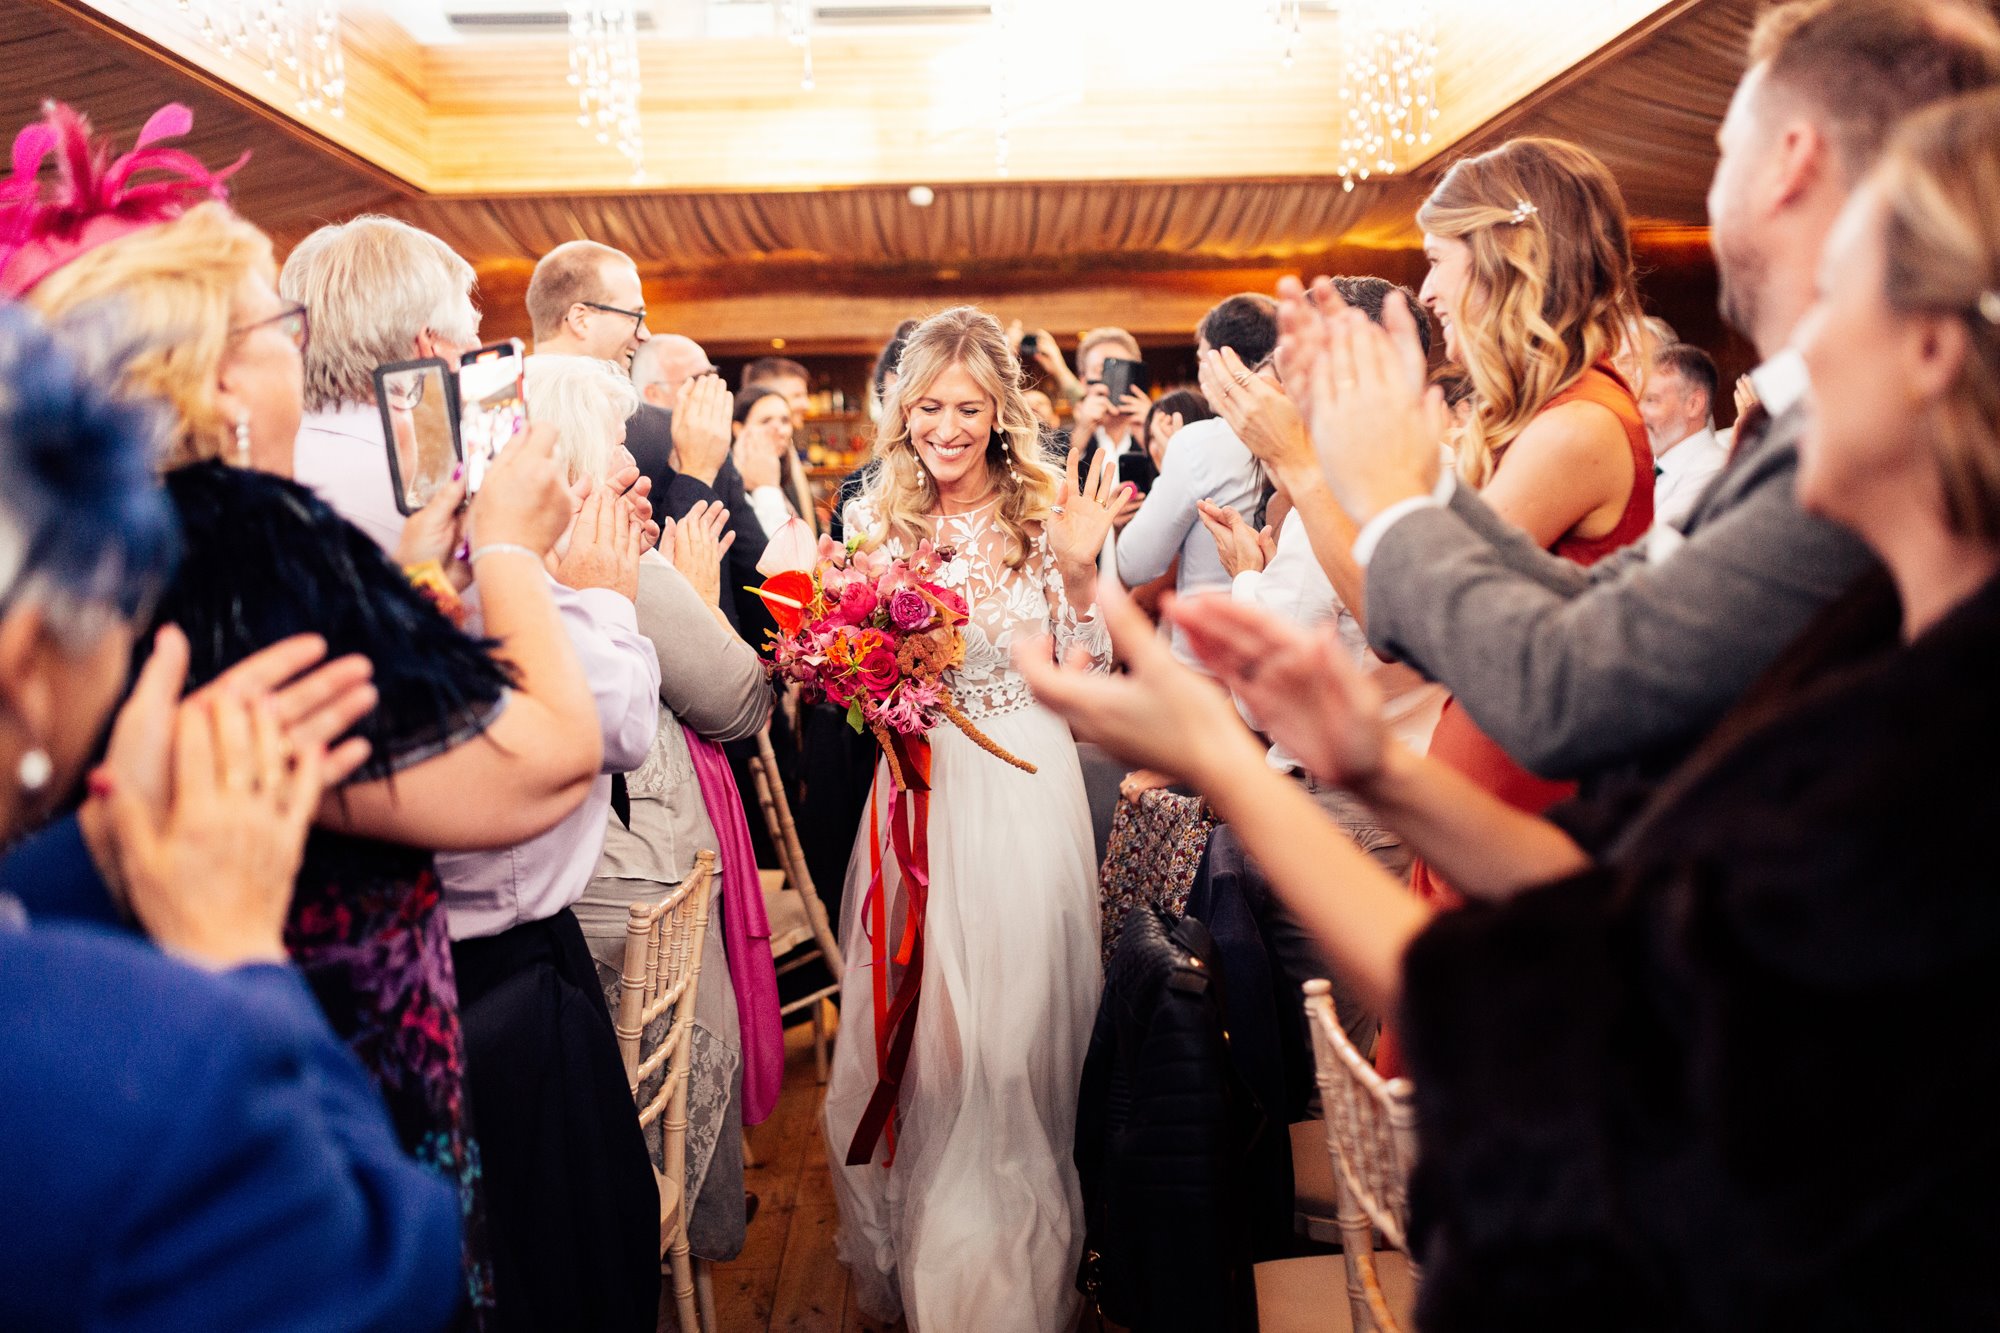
[
  {"x": 1523, "y": 210},
  {"x": 1989, "y": 305}
]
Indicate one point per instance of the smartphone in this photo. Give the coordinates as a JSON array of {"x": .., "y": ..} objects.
[
  {"x": 419, "y": 427},
  {"x": 492, "y": 405},
  {"x": 1121, "y": 377},
  {"x": 1029, "y": 346}
]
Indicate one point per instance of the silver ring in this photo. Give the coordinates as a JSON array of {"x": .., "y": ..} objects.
[{"x": 1057, "y": 510}]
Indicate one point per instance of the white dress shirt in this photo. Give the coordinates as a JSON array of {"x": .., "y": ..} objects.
[
  {"x": 1685, "y": 471},
  {"x": 1207, "y": 462},
  {"x": 340, "y": 454},
  {"x": 1295, "y": 586}
]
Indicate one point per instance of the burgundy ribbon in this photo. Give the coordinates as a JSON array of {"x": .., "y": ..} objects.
[{"x": 896, "y": 1017}]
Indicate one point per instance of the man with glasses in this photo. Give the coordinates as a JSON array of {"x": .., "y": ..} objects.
[{"x": 584, "y": 300}]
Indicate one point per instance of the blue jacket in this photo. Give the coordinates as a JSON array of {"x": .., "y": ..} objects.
[{"x": 182, "y": 1150}]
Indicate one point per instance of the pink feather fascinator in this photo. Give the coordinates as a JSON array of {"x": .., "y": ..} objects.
[{"x": 94, "y": 198}]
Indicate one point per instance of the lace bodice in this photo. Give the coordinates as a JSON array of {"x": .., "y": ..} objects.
[{"x": 1005, "y": 604}]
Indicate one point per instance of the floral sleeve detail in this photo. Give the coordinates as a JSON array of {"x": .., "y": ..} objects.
[{"x": 1073, "y": 630}]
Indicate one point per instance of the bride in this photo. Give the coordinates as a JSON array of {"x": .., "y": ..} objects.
[{"x": 968, "y": 1216}]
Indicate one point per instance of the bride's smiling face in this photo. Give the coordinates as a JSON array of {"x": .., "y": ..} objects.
[{"x": 951, "y": 423}]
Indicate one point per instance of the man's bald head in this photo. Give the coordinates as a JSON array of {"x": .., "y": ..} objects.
[{"x": 663, "y": 364}]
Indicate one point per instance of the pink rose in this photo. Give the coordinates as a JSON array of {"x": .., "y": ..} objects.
[
  {"x": 908, "y": 610},
  {"x": 952, "y": 601},
  {"x": 857, "y": 603}
]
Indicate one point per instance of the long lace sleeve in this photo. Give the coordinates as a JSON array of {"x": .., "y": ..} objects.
[{"x": 1072, "y": 629}]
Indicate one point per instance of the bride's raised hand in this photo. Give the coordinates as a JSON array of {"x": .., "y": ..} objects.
[
  {"x": 1084, "y": 512},
  {"x": 1159, "y": 715},
  {"x": 1298, "y": 682}
]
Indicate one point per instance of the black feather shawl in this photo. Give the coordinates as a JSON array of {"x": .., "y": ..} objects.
[{"x": 266, "y": 559}]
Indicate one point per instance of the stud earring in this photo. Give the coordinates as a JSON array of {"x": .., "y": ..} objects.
[
  {"x": 243, "y": 437},
  {"x": 35, "y": 770}
]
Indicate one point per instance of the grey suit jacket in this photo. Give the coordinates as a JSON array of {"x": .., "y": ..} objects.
[{"x": 1622, "y": 667}]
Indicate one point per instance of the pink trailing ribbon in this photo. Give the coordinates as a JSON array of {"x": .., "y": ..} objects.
[{"x": 746, "y": 933}]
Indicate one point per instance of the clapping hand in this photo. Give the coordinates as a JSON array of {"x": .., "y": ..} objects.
[
  {"x": 207, "y": 860},
  {"x": 1374, "y": 425},
  {"x": 1084, "y": 512},
  {"x": 604, "y": 546},
  {"x": 1745, "y": 394},
  {"x": 636, "y": 490},
  {"x": 698, "y": 543},
  {"x": 1260, "y": 414},
  {"x": 1240, "y": 545},
  {"x": 1299, "y": 683},
  {"x": 759, "y": 463},
  {"x": 701, "y": 427}
]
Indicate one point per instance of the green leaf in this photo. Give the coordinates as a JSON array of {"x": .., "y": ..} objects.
[{"x": 854, "y": 716}]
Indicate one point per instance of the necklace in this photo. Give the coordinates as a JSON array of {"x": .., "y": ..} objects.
[{"x": 944, "y": 513}]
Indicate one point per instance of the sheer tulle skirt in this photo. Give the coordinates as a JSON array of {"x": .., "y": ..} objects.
[{"x": 977, "y": 1225}]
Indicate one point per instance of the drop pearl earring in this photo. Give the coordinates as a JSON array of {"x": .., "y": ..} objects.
[{"x": 243, "y": 438}]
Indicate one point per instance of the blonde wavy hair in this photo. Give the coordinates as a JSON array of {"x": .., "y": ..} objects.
[
  {"x": 1939, "y": 183},
  {"x": 174, "y": 287},
  {"x": 902, "y": 497},
  {"x": 1551, "y": 283}
]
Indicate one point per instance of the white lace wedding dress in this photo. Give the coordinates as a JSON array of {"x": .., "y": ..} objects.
[{"x": 977, "y": 1225}]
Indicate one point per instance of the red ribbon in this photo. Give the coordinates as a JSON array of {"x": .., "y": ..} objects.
[{"x": 896, "y": 1014}]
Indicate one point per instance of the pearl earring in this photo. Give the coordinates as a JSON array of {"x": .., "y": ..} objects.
[
  {"x": 1007, "y": 452},
  {"x": 243, "y": 437},
  {"x": 35, "y": 770}
]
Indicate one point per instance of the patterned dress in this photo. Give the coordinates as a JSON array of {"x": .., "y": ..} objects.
[{"x": 264, "y": 560}]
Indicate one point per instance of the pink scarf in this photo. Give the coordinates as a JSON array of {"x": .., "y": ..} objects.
[{"x": 746, "y": 933}]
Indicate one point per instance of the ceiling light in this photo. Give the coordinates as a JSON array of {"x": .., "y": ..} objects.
[{"x": 923, "y": 196}]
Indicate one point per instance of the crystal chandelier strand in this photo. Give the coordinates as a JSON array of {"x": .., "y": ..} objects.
[
  {"x": 293, "y": 43},
  {"x": 1388, "y": 88},
  {"x": 604, "y": 70}
]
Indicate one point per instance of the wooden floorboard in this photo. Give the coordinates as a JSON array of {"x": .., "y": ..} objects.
[{"x": 787, "y": 1279}]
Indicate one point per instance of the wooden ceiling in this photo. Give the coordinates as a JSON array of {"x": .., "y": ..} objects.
[{"x": 802, "y": 227}]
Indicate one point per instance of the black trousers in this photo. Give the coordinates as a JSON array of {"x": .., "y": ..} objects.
[{"x": 572, "y": 1209}]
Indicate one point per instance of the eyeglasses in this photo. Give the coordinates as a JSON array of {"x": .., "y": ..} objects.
[
  {"x": 292, "y": 321},
  {"x": 638, "y": 317}
]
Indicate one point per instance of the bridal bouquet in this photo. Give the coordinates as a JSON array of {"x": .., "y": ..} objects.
[{"x": 872, "y": 634}]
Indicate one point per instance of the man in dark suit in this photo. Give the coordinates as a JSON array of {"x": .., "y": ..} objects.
[{"x": 686, "y": 453}]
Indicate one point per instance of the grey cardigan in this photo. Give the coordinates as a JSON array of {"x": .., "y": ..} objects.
[
  {"x": 712, "y": 681},
  {"x": 1622, "y": 667}
]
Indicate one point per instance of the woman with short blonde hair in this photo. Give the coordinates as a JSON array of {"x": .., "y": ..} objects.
[
  {"x": 588, "y": 402},
  {"x": 377, "y": 289}
]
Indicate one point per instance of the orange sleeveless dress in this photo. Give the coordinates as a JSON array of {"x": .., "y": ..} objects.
[{"x": 1458, "y": 741}]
